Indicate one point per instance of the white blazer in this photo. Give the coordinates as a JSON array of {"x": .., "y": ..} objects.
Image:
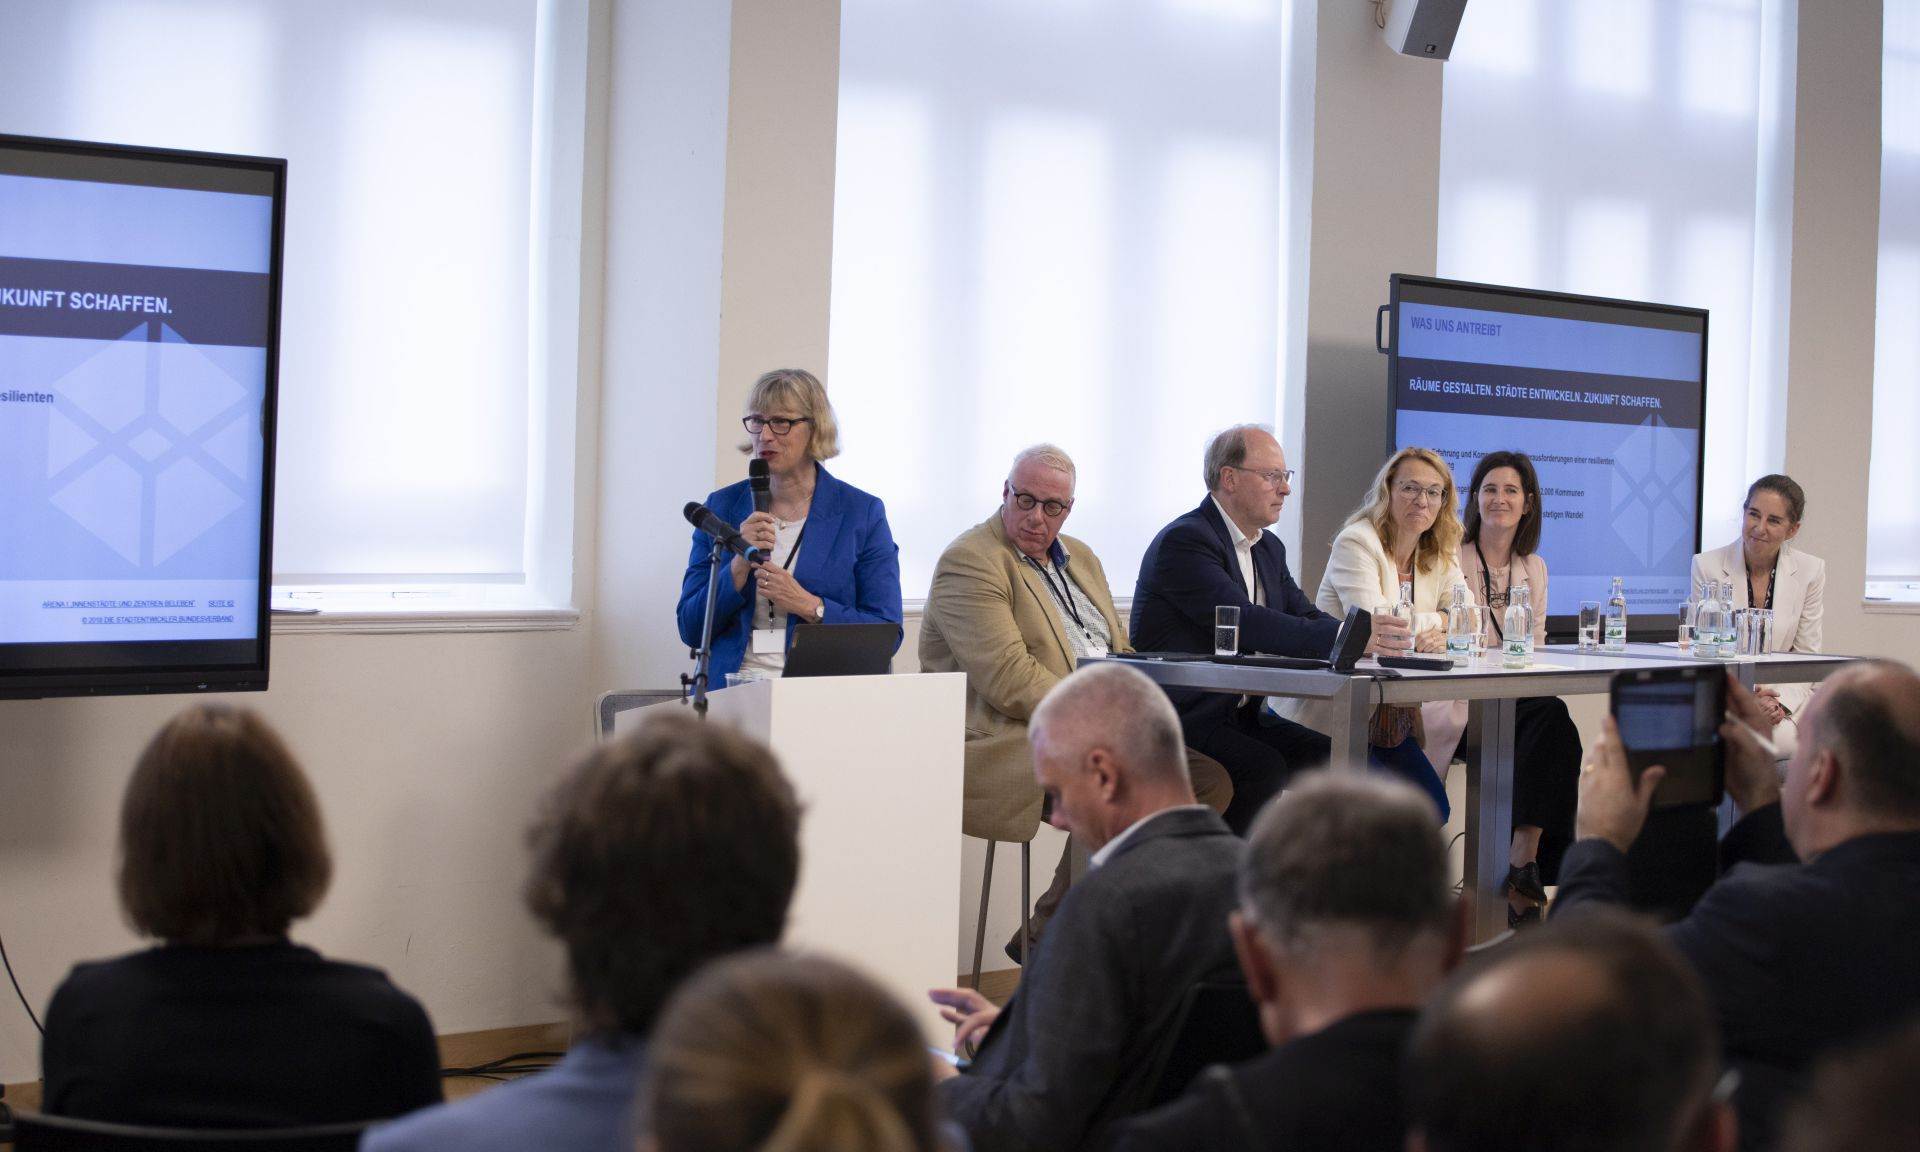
[
  {"x": 1799, "y": 591},
  {"x": 1360, "y": 574}
]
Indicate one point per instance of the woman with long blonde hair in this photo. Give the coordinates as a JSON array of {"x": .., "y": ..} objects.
[{"x": 1406, "y": 532}]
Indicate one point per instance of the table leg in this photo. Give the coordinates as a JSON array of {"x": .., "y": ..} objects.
[
  {"x": 1354, "y": 707},
  {"x": 1489, "y": 818}
]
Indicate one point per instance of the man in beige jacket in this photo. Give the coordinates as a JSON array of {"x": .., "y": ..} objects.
[{"x": 1016, "y": 605}]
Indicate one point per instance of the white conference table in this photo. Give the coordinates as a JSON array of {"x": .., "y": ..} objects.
[{"x": 1558, "y": 670}]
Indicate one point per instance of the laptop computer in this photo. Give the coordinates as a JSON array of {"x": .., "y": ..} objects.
[
  {"x": 841, "y": 650},
  {"x": 1348, "y": 645}
]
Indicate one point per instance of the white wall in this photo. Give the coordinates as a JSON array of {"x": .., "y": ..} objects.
[
  {"x": 427, "y": 752},
  {"x": 1836, "y": 223},
  {"x": 666, "y": 173},
  {"x": 1374, "y": 210}
]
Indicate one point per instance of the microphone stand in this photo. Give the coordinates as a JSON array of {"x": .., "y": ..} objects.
[{"x": 703, "y": 655}]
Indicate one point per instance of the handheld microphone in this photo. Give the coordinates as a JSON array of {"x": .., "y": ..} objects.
[
  {"x": 761, "y": 483},
  {"x": 701, "y": 517}
]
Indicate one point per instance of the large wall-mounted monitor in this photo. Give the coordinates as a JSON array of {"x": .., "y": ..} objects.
[
  {"x": 1608, "y": 398},
  {"x": 139, "y": 331}
]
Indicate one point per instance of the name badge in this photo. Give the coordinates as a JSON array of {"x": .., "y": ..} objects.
[{"x": 769, "y": 641}]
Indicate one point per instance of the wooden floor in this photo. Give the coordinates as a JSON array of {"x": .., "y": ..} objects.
[{"x": 467, "y": 1049}]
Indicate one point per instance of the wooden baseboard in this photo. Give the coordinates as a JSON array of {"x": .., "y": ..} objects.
[
  {"x": 22, "y": 1097},
  {"x": 457, "y": 1050},
  {"x": 465, "y": 1049}
]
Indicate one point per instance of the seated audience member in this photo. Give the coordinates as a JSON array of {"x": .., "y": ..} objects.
[
  {"x": 1866, "y": 1100},
  {"x": 228, "y": 1023},
  {"x": 1016, "y": 605},
  {"x": 1586, "y": 1036},
  {"x": 830, "y": 556},
  {"x": 1765, "y": 570},
  {"x": 657, "y": 854},
  {"x": 1222, "y": 554},
  {"x": 1798, "y": 958},
  {"x": 788, "y": 1054},
  {"x": 1406, "y": 533},
  {"x": 1073, "y": 1050},
  {"x": 1347, "y": 923},
  {"x": 1499, "y": 552}
]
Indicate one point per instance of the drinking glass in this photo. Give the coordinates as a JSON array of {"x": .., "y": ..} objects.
[
  {"x": 1589, "y": 625},
  {"x": 1755, "y": 628},
  {"x": 1226, "y": 630},
  {"x": 1477, "y": 647},
  {"x": 1685, "y": 616}
]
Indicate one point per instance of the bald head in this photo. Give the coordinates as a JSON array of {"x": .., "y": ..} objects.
[
  {"x": 1113, "y": 707},
  {"x": 1620, "y": 1055},
  {"x": 1868, "y": 718}
]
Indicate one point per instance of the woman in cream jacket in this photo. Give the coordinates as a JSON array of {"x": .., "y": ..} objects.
[
  {"x": 1406, "y": 532},
  {"x": 1766, "y": 571}
]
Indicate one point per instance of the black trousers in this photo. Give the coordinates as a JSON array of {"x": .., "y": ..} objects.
[
  {"x": 1546, "y": 776},
  {"x": 1261, "y": 752}
]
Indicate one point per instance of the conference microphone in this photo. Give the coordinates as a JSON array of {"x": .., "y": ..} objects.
[
  {"x": 701, "y": 517},
  {"x": 761, "y": 483}
]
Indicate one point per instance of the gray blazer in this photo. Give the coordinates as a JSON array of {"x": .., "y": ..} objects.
[{"x": 1071, "y": 1052}]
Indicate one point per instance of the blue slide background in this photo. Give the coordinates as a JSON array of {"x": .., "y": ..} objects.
[
  {"x": 131, "y": 454},
  {"x": 1618, "y": 450}
]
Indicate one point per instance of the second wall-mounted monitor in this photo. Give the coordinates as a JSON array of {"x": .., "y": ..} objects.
[{"x": 1608, "y": 398}]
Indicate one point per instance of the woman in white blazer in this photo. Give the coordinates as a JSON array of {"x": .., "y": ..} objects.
[
  {"x": 1406, "y": 531},
  {"x": 1766, "y": 571}
]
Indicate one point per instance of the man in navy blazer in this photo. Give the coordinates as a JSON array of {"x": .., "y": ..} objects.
[
  {"x": 1809, "y": 941},
  {"x": 1221, "y": 553}
]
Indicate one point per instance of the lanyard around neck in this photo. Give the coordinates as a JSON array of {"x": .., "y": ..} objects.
[
  {"x": 1772, "y": 575},
  {"x": 1486, "y": 590},
  {"x": 1064, "y": 597}
]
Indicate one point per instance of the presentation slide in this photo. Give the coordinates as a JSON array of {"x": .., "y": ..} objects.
[
  {"x": 134, "y": 328},
  {"x": 1610, "y": 414}
]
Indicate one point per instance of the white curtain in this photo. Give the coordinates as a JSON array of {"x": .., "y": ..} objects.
[
  {"x": 1054, "y": 220},
  {"x": 408, "y": 131},
  {"x": 1893, "y": 503},
  {"x": 1634, "y": 149}
]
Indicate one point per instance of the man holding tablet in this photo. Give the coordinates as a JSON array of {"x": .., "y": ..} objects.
[{"x": 1799, "y": 958}]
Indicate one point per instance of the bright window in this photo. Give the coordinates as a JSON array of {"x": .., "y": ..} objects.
[
  {"x": 1054, "y": 221},
  {"x": 1893, "y": 493},
  {"x": 412, "y": 381},
  {"x": 1630, "y": 148}
]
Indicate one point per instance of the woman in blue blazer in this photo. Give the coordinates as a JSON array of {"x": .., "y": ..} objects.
[{"x": 831, "y": 556}]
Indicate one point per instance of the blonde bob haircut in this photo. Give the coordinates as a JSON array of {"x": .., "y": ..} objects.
[
  {"x": 1436, "y": 543},
  {"x": 800, "y": 390}
]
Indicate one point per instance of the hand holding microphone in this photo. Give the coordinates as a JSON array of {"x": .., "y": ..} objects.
[{"x": 758, "y": 528}]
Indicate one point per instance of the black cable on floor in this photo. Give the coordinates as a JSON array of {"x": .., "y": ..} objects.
[
  {"x": 517, "y": 1063},
  {"x": 8, "y": 964}
]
